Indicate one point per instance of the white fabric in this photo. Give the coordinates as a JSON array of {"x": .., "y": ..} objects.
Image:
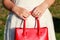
[{"x": 14, "y": 21}]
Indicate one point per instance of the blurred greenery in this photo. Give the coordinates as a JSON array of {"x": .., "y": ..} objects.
[{"x": 55, "y": 10}]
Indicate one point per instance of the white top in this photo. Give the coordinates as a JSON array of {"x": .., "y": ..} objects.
[{"x": 28, "y": 4}]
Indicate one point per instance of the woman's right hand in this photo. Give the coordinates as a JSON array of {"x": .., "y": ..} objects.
[{"x": 21, "y": 12}]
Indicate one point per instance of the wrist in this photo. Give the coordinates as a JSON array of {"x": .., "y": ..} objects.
[
  {"x": 13, "y": 8},
  {"x": 46, "y": 4}
]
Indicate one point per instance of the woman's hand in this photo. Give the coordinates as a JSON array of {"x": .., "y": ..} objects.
[
  {"x": 39, "y": 10},
  {"x": 20, "y": 12}
]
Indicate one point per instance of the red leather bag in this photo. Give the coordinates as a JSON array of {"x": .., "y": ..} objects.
[{"x": 31, "y": 33}]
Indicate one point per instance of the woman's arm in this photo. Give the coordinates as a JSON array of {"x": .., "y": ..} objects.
[
  {"x": 19, "y": 11},
  {"x": 48, "y": 2},
  {"x": 8, "y": 4}
]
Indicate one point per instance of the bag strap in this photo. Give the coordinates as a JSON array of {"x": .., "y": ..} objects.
[{"x": 38, "y": 26}]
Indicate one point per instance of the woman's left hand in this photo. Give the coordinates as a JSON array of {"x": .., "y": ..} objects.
[{"x": 39, "y": 10}]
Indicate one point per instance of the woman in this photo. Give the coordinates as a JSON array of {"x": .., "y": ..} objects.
[{"x": 20, "y": 10}]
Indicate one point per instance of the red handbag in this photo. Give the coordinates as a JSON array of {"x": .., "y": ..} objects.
[{"x": 31, "y": 33}]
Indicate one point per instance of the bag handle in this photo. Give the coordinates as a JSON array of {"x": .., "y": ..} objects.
[{"x": 38, "y": 26}]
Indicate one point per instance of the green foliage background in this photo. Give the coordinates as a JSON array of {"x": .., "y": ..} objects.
[{"x": 55, "y": 10}]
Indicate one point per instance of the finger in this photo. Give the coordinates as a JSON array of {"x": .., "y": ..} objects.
[
  {"x": 40, "y": 15},
  {"x": 27, "y": 14},
  {"x": 35, "y": 11},
  {"x": 23, "y": 17},
  {"x": 35, "y": 14},
  {"x": 20, "y": 15}
]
